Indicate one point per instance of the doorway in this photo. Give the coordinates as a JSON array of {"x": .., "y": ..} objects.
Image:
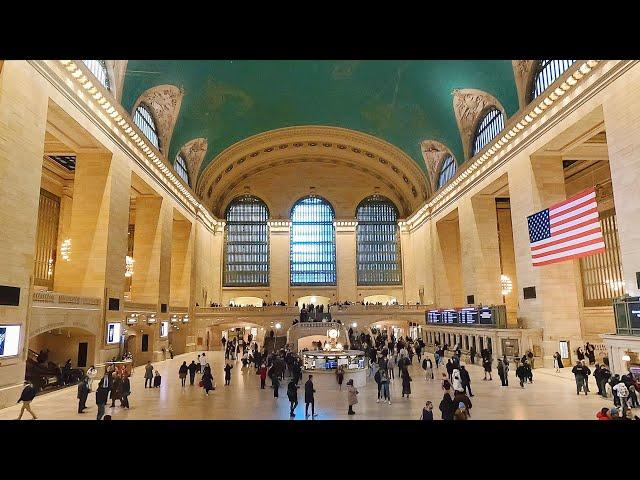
[{"x": 83, "y": 349}]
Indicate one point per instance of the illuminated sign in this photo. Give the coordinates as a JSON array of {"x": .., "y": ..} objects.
[
  {"x": 9, "y": 340},
  {"x": 113, "y": 333}
]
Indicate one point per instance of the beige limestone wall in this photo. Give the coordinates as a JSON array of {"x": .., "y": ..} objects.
[
  {"x": 181, "y": 252},
  {"x": 508, "y": 262},
  {"x": 279, "y": 239},
  {"x": 23, "y": 110},
  {"x": 346, "y": 261},
  {"x": 480, "y": 252},
  {"x": 447, "y": 264}
]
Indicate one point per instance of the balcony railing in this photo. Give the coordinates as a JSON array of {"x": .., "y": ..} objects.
[
  {"x": 64, "y": 299},
  {"x": 359, "y": 308},
  {"x": 269, "y": 309}
]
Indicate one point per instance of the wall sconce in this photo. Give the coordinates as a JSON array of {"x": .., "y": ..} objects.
[
  {"x": 354, "y": 324},
  {"x": 185, "y": 319},
  {"x": 626, "y": 358},
  {"x": 65, "y": 250},
  {"x": 278, "y": 326},
  {"x": 506, "y": 285}
]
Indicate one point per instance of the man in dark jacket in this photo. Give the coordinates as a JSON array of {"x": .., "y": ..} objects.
[
  {"x": 292, "y": 393},
  {"x": 461, "y": 397},
  {"x": 447, "y": 407},
  {"x": 309, "y": 398},
  {"x": 28, "y": 394},
  {"x": 83, "y": 393},
  {"x": 126, "y": 391},
  {"x": 102, "y": 393},
  {"x": 465, "y": 379},
  {"x": 193, "y": 368},
  {"x": 580, "y": 374}
]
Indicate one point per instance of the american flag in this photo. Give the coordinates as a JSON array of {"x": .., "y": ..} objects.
[{"x": 566, "y": 230}]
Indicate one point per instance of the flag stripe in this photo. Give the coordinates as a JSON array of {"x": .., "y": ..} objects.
[
  {"x": 569, "y": 217},
  {"x": 578, "y": 201},
  {"x": 561, "y": 256},
  {"x": 592, "y": 218},
  {"x": 570, "y": 257},
  {"x": 571, "y": 199},
  {"x": 592, "y": 233},
  {"x": 565, "y": 247},
  {"x": 586, "y": 229}
]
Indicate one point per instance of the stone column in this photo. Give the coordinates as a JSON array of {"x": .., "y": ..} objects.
[
  {"x": 621, "y": 114},
  {"x": 346, "y": 260},
  {"x": 480, "y": 253},
  {"x": 181, "y": 252},
  {"x": 410, "y": 290},
  {"x": 23, "y": 114},
  {"x": 279, "y": 260},
  {"x": 447, "y": 264},
  {"x": 536, "y": 183}
]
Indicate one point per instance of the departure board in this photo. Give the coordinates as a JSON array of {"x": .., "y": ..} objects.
[
  {"x": 468, "y": 316},
  {"x": 434, "y": 316},
  {"x": 449, "y": 316}
]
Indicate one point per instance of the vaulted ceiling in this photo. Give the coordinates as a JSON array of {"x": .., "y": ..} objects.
[{"x": 402, "y": 102}]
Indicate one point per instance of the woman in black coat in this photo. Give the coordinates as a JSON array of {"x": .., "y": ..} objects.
[
  {"x": 207, "y": 381},
  {"x": 447, "y": 407},
  {"x": 126, "y": 391},
  {"x": 406, "y": 383},
  {"x": 292, "y": 394}
]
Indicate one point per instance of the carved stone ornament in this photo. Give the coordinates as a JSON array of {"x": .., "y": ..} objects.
[
  {"x": 523, "y": 70},
  {"x": 434, "y": 153},
  {"x": 164, "y": 101},
  {"x": 468, "y": 105},
  {"x": 193, "y": 152}
]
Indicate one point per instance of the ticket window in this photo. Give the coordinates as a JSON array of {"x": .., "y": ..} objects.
[{"x": 565, "y": 352}]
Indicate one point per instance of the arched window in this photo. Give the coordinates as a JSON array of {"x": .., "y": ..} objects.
[
  {"x": 181, "y": 168},
  {"x": 144, "y": 120},
  {"x": 488, "y": 128},
  {"x": 378, "y": 246},
  {"x": 313, "y": 243},
  {"x": 246, "y": 243},
  {"x": 447, "y": 170},
  {"x": 99, "y": 70},
  {"x": 547, "y": 72}
]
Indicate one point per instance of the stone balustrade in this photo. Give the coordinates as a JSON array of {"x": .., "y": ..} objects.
[
  {"x": 64, "y": 299},
  {"x": 270, "y": 309},
  {"x": 359, "y": 308}
]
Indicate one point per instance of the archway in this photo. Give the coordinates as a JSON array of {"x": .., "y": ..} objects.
[
  {"x": 380, "y": 299},
  {"x": 245, "y": 302}
]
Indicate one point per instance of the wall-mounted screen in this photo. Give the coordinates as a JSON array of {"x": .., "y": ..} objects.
[
  {"x": 9, "y": 340},
  {"x": 113, "y": 333},
  {"x": 164, "y": 329}
]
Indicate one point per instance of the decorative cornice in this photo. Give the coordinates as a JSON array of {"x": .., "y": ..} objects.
[
  {"x": 117, "y": 70},
  {"x": 74, "y": 80},
  {"x": 193, "y": 152},
  {"x": 469, "y": 105},
  {"x": 518, "y": 128},
  {"x": 434, "y": 153},
  {"x": 164, "y": 101}
]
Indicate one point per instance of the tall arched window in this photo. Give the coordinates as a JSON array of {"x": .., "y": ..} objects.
[
  {"x": 181, "y": 168},
  {"x": 99, "y": 70},
  {"x": 488, "y": 128},
  {"x": 313, "y": 243},
  {"x": 246, "y": 245},
  {"x": 547, "y": 72},
  {"x": 144, "y": 120},
  {"x": 378, "y": 245},
  {"x": 447, "y": 170}
]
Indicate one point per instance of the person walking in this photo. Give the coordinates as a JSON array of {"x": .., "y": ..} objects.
[
  {"x": 125, "y": 391},
  {"x": 501, "y": 374},
  {"x": 182, "y": 373},
  {"x": 262, "y": 371},
  {"x": 227, "y": 374},
  {"x": 456, "y": 380},
  {"x": 171, "y": 352},
  {"x": 391, "y": 364},
  {"x": 486, "y": 364},
  {"x": 466, "y": 380},
  {"x": 309, "y": 398},
  {"x": 340, "y": 376},
  {"x": 116, "y": 390},
  {"x": 427, "y": 366},
  {"x": 292, "y": 394},
  {"x": 203, "y": 362},
  {"x": 427, "y": 412},
  {"x": 447, "y": 407},
  {"x": 623, "y": 394},
  {"x": 102, "y": 394},
  {"x": 92, "y": 371},
  {"x": 449, "y": 368},
  {"x": 579, "y": 374},
  {"x": 557, "y": 362},
  {"x": 83, "y": 393},
  {"x": 406, "y": 382},
  {"x": 148, "y": 375},
  {"x": 207, "y": 381},
  {"x": 461, "y": 412},
  {"x": 26, "y": 397},
  {"x": 521, "y": 373},
  {"x": 472, "y": 354},
  {"x": 384, "y": 386},
  {"x": 193, "y": 368},
  {"x": 157, "y": 379},
  {"x": 352, "y": 396},
  {"x": 460, "y": 397},
  {"x": 587, "y": 372}
]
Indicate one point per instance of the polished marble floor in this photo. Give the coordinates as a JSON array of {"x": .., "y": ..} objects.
[{"x": 551, "y": 397}]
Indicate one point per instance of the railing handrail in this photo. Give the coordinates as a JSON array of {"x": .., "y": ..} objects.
[
  {"x": 360, "y": 307},
  {"x": 268, "y": 308}
]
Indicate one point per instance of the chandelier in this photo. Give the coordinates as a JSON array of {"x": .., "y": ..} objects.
[
  {"x": 506, "y": 285},
  {"x": 65, "y": 250},
  {"x": 129, "y": 261}
]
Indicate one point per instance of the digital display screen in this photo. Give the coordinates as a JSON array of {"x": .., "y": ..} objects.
[
  {"x": 450, "y": 316},
  {"x": 634, "y": 314},
  {"x": 485, "y": 316},
  {"x": 113, "y": 333},
  {"x": 164, "y": 329},
  {"x": 9, "y": 340},
  {"x": 434, "y": 316},
  {"x": 468, "y": 316}
]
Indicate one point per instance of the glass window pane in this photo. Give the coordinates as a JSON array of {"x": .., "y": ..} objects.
[
  {"x": 144, "y": 120},
  {"x": 99, "y": 70},
  {"x": 488, "y": 128},
  {"x": 547, "y": 72}
]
